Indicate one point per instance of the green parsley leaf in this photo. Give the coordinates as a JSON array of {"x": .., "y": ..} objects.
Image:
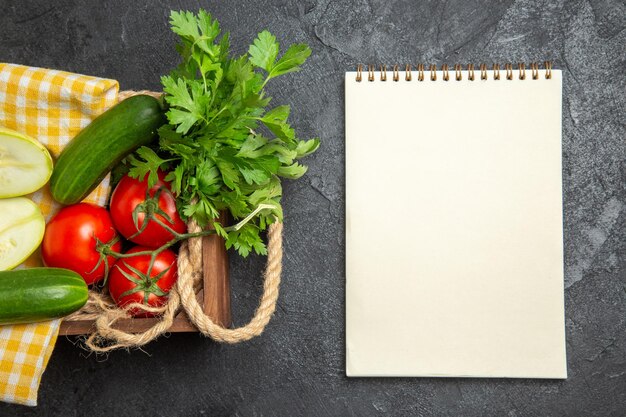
[
  {"x": 276, "y": 121},
  {"x": 150, "y": 165},
  {"x": 291, "y": 60},
  {"x": 186, "y": 109},
  {"x": 263, "y": 51},
  {"x": 184, "y": 24},
  {"x": 307, "y": 147},
  {"x": 293, "y": 171}
]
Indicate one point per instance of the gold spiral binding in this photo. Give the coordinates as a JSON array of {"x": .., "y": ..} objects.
[
  {"x": 458, "y": 71},
  {"x": 509, "y": 71},
  {"x": 534, "y": 68},
  {"x": 522, "y": 70},
  {"x": 483, "y": 71},
  {"x": 370, "y": 73},
  {"x": 548, "y": 66},
  {"x": 383, "y": 72}
]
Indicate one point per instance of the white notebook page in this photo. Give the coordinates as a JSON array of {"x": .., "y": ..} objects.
[{"x": 454, "y": 239}]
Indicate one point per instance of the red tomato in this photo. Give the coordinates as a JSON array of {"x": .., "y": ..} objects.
[
  {"x": 130, "y": 196},
  {"x": 129, "y": 281},
  {"x": 70, "y": 240}
]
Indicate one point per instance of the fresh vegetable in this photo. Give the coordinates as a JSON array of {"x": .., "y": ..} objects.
[
  {"x": 72, "y": 236},
  {"x": 218, "y": 157},
  {"x": 132, "y": 280},
  {"x": 25, "y": 165},
  {"x": 37, "y": 294},
  {"x": 143, "y": 215},
  {"x": 87, "y": 159},
  {"x": 21, "y": 230}
]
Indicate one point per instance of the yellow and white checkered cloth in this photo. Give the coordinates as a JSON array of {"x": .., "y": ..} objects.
[{"x": 51, "y": 106}]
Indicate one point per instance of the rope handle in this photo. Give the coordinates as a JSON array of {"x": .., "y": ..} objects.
[
  {"x": 191, "y": 252},
  {"x": 123, "y": 95}
]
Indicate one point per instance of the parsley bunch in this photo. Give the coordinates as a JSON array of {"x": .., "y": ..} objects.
[{"x": 224, "y": 149}]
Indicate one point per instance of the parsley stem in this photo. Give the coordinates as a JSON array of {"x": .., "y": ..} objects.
[
  {"x": 204, "y": 81},
  {"x": 265, "y": 82},
  {"x": 106, "y": 250},
  {"x": 203, "y": 38},
  {"x": 249, "y": 217},
  {"x": 214, "y": 117}
]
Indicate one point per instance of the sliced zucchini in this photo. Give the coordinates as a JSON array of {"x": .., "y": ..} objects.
[
  {"x": 25, "y": 165},
  {"x": 21, "y": 230}
]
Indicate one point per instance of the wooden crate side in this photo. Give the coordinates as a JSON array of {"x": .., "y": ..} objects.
[{"x": 216, "y": 303}]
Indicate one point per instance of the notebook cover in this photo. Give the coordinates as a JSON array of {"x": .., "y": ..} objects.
[{"x": 454, "y": 238}]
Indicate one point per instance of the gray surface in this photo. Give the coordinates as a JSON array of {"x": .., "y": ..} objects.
[{"x": 297, "y": 367}]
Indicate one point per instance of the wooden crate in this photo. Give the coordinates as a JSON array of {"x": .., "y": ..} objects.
[{"x": 214, "y": 296}]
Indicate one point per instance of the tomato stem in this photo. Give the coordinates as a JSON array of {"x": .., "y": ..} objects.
[
  {"x": 150, "y": 208},
  {"x": 105, "y": 248}
]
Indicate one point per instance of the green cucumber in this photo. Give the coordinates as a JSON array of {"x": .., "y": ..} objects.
[
  {"x": 110, "y": 137},
  {"x": 39, "y": 294}
]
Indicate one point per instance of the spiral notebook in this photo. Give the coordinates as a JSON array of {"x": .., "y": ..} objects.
[{"x": 454, "y": 238}]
